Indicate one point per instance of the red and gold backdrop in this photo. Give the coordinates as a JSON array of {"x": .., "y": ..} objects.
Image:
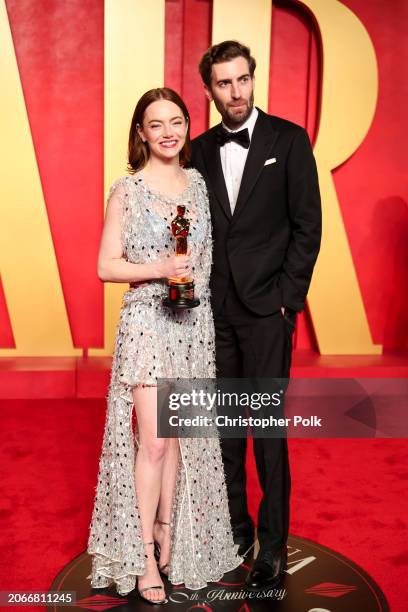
[{"x": 71, "y": 73}]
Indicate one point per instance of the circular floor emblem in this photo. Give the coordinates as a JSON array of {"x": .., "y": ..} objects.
[{"x": 317, "y": 580}]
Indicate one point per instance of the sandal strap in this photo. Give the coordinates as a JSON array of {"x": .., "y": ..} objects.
[{"x": 149, "y": 588}]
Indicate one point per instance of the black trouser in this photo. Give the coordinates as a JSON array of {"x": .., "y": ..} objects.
[{"x": 252, "y": 346}]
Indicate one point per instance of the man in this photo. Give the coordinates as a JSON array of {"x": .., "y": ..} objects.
[{"x": 266, "y": 215}]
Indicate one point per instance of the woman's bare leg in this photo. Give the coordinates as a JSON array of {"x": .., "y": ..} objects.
[
  {"x": 148, "y": 480},
  {"x": 162, "y": 533}
]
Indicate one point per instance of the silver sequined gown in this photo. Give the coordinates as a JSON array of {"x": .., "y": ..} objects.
[{"x": 155, "y": 342}]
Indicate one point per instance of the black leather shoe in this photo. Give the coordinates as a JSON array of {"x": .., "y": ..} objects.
[{"x": 267, "y": 571}]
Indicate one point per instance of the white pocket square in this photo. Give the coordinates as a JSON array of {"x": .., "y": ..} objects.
[{"x": 270, "y": 161}]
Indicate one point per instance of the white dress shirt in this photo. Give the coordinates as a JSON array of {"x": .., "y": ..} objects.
[{"x": 233, "y": 158}]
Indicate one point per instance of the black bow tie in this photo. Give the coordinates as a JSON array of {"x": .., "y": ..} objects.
[{"x": 241, "y": 137}]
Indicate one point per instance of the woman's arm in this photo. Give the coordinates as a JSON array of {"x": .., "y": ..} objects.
[{"x": 112, "y": 267}]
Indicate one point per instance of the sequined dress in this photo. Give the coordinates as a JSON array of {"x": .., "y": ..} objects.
[{"x": 154, "y": 342}]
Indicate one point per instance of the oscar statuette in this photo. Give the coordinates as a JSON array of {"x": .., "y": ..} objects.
[{"x": 180, "y": 290}]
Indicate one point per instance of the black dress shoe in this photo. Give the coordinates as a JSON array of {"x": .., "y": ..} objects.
[{"x": 267, "y": 571}]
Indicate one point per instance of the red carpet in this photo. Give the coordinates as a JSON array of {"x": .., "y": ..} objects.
[{"x": 346, "y": 494}]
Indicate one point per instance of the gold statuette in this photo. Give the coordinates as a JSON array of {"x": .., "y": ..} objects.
[{"x": 180, "y": 289}]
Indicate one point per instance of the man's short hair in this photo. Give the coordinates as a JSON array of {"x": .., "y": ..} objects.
[{"x": 224, "y": 52}]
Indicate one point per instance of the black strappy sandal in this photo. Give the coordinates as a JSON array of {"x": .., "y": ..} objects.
[{"x": 157, "y": 602}]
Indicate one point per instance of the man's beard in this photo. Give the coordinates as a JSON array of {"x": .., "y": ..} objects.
[{"x": 234, "y": 120}]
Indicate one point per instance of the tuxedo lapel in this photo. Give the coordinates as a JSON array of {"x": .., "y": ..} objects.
[
  {"x": 212, "y": 160},
  {"x": 262, "y": 141}
]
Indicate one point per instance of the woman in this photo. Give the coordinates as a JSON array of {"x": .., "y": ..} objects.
[{"x": 167, "y": 492}]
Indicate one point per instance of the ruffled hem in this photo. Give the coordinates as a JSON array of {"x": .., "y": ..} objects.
[
  {"x": 104, "y": 574},
  {"x": 206, "y": 580},
  {"x": 102, "y": 577}
]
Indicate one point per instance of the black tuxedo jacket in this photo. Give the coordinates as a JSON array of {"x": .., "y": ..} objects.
[{"x": 269, "y": 246}]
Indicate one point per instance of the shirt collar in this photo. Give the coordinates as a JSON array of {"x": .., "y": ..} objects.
[{"x": 249, "y": 123}]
